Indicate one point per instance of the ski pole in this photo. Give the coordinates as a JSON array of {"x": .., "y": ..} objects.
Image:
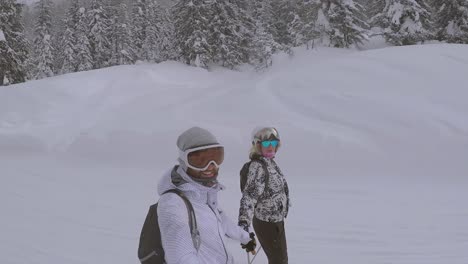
[{"x": 255, "y": 255}]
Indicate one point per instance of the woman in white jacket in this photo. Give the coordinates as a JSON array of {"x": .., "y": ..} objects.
[{"x": 200, "y": 155}]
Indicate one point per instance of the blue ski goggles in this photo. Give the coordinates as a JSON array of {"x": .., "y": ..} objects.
[{"x": 267, "y": 143}]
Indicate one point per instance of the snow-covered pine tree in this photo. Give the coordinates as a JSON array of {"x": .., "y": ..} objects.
[
  {"x": 138, "y": 18},
  {"x": 263, "y": 43},
  {"x": 122, "y": 49},
  {"x": 262, "y": 48},
  {"x": 303, "y": 26},
  {"x": 452, "y": 20},
  {"x": 28, "y": 19},
  {"x": 58, "y": 15},
  {"x": 13, "y": 45},
  {"x": 192, "y": 31},
  {"x": 99, "y": 25},
  {"x": 297, "y": 25},
  {"x": 348, "y": 26},
  {"x": 112, "y": 12},
  {"x": 322, "y": 22},
  {"x": 43, "y": 50},
  {"x": 225, "y": 36},
  {"x": 152, "y": 15},
  {"x": 405, "y": 22},
  {"x": 374, "y": 10},
  {"x": 84, "y": 59},
  {"x": 67, "y": 54},
  {"x": 264, "y": 22},
  {"x": 7, "y": 59},
  {"x": 283, "y": 15},
  {"x": 166, "y": 41},
  {"x": 246, "y": 29}
]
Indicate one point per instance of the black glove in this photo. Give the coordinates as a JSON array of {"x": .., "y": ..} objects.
[
  {"x": 250, "y": 247},
  {"x": 244, "y": 225}
]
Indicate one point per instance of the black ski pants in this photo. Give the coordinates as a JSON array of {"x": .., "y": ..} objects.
[{"x": 273, "y": 240}]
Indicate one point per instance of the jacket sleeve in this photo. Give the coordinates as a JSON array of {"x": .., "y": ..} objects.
[
  {"x": 232, "y": 230},
  {"x": 175, "y": 231},
  {"x": 253, "y": 190}
]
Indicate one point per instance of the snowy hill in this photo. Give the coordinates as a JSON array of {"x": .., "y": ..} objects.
[{"x": 374, "y": 147}]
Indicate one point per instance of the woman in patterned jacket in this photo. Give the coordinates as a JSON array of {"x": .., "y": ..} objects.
[{"x": 265, "y": 198}]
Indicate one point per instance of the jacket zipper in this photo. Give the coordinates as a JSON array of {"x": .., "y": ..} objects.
[{"x": 220, "y": 237}]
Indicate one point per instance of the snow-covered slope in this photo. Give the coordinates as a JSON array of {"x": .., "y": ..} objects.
[{"x": 374, "y": 147}]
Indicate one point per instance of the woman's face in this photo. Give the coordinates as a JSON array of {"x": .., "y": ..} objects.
[{"x": 268, "y": 148}]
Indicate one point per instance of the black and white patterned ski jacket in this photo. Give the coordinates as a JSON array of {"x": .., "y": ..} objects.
[{"x": 270, "y": 204}]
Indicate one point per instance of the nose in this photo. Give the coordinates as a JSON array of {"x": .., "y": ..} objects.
[{"x": 211, "y": 166}]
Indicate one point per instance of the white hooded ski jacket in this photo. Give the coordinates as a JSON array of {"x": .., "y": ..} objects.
[{"x": 214, "y": 226}]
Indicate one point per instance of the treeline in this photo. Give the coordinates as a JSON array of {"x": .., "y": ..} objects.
[{"x": 78, "y": 35}]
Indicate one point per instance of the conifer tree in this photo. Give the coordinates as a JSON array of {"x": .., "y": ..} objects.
[
  {"x": 264, "y": 22},
  {"x": 139, "y": 22},
  {"x": 322, "y": 22},
  {"x": 263, "y": 43},
  {"x": 152, "y": 15},
  {"x": 192, "y": 32},
  {"x": 67, "y": 56},
  {"x": 13, "y": 45},
  {"x": 304, "y": 23},
  {"x": 347, "y": 25},
  {"x": 262, "y": 48},
  {"x": 122, "y": 48},
  {"x": 246, "y": 24},
  {"x": 452, "y": 20},
  {"x": 405, "y": 22},
  {"x": 43, "y": 50},
  {"x": 225, "y": 35},
  {"x": 166, "y": 40},
  {"x": 99, "y": 25},
  {"x": 283, "y": 16},
  {"x": 84, "y": 60},
  {"x": 373, "y": 11}
]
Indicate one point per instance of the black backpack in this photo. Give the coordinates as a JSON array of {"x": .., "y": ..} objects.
[
  {"x": 150, "y": 250},
  {"x": 245, "y": 171}
]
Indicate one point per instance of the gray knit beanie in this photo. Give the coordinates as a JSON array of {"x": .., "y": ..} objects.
[
  {"x": 192, "y": 138},
  {"x": 195, "y": 137}
]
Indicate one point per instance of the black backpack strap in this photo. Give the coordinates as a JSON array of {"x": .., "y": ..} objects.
[{"x": 195, "y": 233}]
